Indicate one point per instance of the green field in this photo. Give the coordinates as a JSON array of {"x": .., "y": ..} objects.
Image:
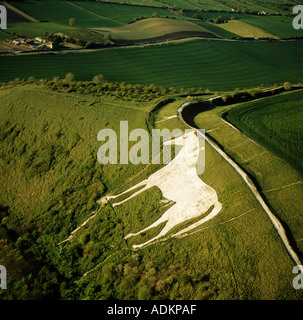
[
  {"x": 34, "y": 29},
  {"x": 89, "y": 14},
  {"x": 61, "y": 12},
  {"x": 153, "y": 27},
  {"x": 209, "y": 4},
  {"x": 279, "y": 26},
  {"x": 4, "y": 36},
  {"x": 273, "y": 6},
  {"x": 180, "y": 4},
  {"x": 216, "y": 29},
  {"x": 265, "y": 121},
  {"x": 213, "y": 64},
  {"x": 220, "y": 5},
  {"x": 122, "y": 14}
]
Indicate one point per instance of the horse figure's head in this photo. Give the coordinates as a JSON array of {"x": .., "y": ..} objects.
[{"x": 189, "y": 151}]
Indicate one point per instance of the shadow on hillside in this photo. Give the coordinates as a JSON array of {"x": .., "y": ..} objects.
[{"x": 190, "y": 112}]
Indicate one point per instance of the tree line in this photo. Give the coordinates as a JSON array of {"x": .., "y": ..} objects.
[{"x": 99, "y": 86}]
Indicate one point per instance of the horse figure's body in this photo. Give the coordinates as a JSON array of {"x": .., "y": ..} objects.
[{"x": 179, "y": 182}]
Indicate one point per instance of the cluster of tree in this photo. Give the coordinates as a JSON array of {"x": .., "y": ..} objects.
[
  {"x": 100, "y": 87},
  {"x": 123, "y": 91},
  {"x": 54, "y": 37},
  {"x": 198, "y": 16},
  {"x": 134, "y": 278},
  {"x": 251, "y": 94},
  {"x": 216, "y": 19},
  {"x": 219, "y": 20}
]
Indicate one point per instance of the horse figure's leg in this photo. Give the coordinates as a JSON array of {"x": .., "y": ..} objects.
[
  {"x": 140, "y": 184},
  {"x": 170, "y": 223}
]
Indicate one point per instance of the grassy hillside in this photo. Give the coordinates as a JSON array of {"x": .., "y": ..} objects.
[
  {"x": 265, "y": 121},
  {"x": 270, "y": 5},
  {"x": 277, "y": 25},
  {"x": 180, "y": 4},
  {"x": 34, "y": 29},
  {"x": 216, "y": 29},
  {"x": 139, "y": 2},
  {"x": 217, "y": 65},
  {"x": 154, "y": 27},
  {"x": 4, "y": 36},
  {"x": 50, "y": 149},
  {"x": 90, "y": 14},
  {"x": 226, "y": 5},
  {"x": 122, "y": 14},
  {"x": 280, "y": 26},
  {"x": 61, "y": 12}
]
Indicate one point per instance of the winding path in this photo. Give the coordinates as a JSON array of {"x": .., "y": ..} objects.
[{"x": 276, "y": 223}]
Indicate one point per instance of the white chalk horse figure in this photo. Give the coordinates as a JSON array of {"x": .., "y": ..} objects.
[{"x": 178, "y": 182}]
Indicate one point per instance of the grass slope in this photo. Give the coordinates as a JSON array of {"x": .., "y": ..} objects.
[
  {"x": 34, "y": 29},
  {"x": 48, "y": 144},
  {"x": 180, "y": 4},
  {"x": 122, "y": 14},
  {"x": 4, "y": 36},
  {"x": 153, "y": 27},
  {"x": 14, "y": 16},
  {"x": 217, "y": 65},
  {"x": 68, "y": 126},
  {"x": 61, "y": 12},
  {"x": 216, "y": 29},
  {"x": 280, "y": 26}
]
